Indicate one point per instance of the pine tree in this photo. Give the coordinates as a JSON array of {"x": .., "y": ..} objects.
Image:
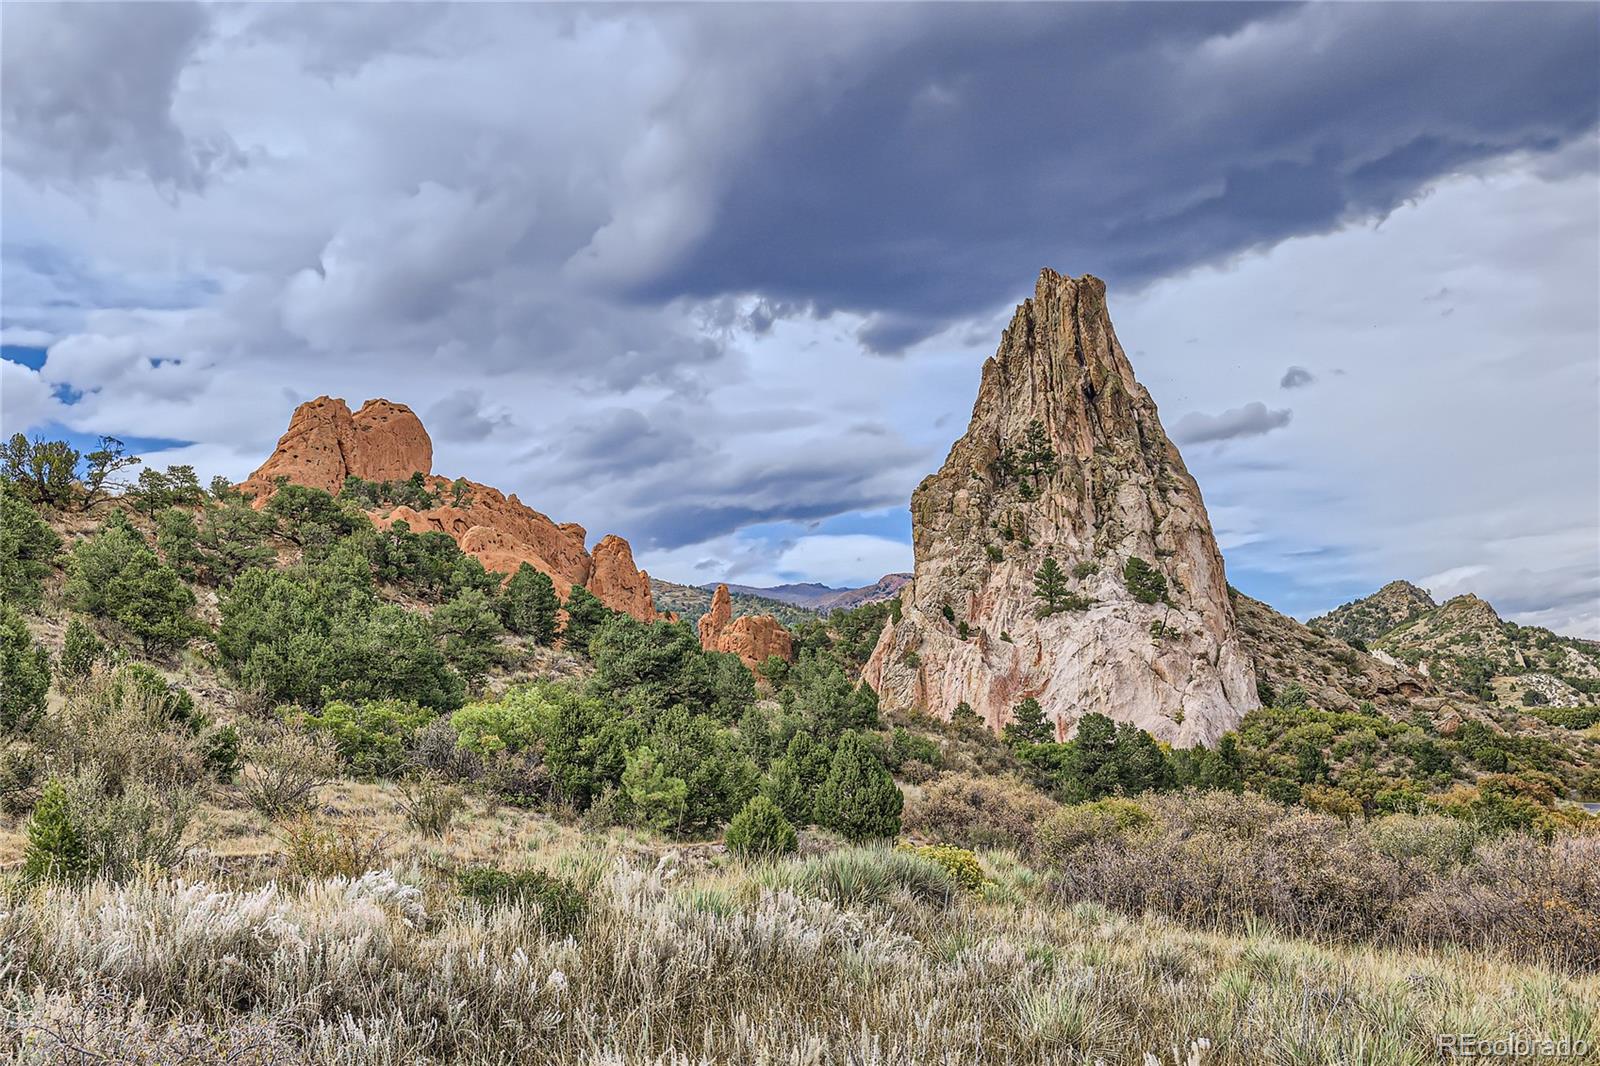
[
  {"x": 965, "y": 718},
  {"x": 1090, "y": 769},
  {"x": 114, "y": 574},
  {"x": 1141, "y": 764},
  {"x": 529, "y": 604},
  {"x": 1005, "y": 464},
  {"x": 585, "y": 615},
  {"x": 56, "y": 850},
  {"x": 41, "y": 471},
  {"x": 469, "y": 630},
  {"x": 1223, "y": 767},
  {"x": 1037, "y": 454},
  {"x": 79, "y": 652},
  {"x": 783, "y": 788},
  {"x": 1145, "y": 582},
  {"x": 660, "y": 800},
  {"x": 1028, "y": 725},
  {"x": 760, "y": 831},
  {"x": 28, "y": 547},
  {"x": 24, "y": 674},
  {"x": 1050, "y": 587},
  {"x": 859, "y": 798},
  {"x": 101, "y": 467}
]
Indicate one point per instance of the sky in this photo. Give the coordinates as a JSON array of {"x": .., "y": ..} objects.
[{"x": 721, "y": 278}]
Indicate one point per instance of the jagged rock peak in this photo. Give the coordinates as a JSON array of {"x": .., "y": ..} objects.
[
  {"x": 753, "y": 638},
  {"x": 385, "y": 441},
  {"x": 1066, "y": 459}
]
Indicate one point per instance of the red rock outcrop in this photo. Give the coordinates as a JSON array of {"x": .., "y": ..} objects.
[
  {"x": 385, "y": 441},
  {"x": 752, "y": 637},
  {"x": 325, "y": 443},
  {"x": 618, "y": 583}
]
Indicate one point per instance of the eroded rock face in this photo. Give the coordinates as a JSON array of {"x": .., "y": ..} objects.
[
  {"x": 753, "y": 638},
  {"x": 325, "y": 443},
  {"x": 385, "y": 441},
  {"x": 1109, "y": 487},
  {"x": 620, "y": 584}
]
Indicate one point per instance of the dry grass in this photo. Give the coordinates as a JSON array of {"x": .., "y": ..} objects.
[{"x": 695, "y": 960}]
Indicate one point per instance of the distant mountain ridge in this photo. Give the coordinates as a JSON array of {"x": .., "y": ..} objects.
[
  {"x": 1464, "y": 644},
  {"x": 692, "y": 601},
  {"x": 821, "y": 598}
]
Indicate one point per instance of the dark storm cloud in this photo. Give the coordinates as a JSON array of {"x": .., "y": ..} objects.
[
  {"x": 88, "y": 91},
  {"x": 721, "y": 490},
  {"x": 462, "y": 416},
  {"x": 928, "y": 181},
  {"x": 623, "y": 441},
  {"x": 1251, "y": 420},
  {"x": 1297, "y": 377}
]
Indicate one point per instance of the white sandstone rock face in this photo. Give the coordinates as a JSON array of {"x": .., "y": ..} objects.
[{"x": 1118, "y": 489}]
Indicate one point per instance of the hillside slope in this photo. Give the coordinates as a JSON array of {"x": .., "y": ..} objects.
[{"x": 1465, "y": 646}]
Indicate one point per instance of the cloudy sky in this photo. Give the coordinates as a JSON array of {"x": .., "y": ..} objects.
[{"x": 721, "y": 278}]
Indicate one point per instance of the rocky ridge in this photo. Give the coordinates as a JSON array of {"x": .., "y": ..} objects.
[
  {"x": 1369, "y": 618},
  {"x": 1335, "y": 675},
  {"x": 690, "y": 602},
  {"x": 1463, "y": 645},
  {"x": 385, "y": 441},
  {"x": 824, "y": 599},
  {"x": 1096, "y": 485},
  {"x": 753, "y": 637}
]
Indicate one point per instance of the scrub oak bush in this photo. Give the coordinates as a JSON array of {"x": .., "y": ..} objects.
[{"x": 975, "y": 811}]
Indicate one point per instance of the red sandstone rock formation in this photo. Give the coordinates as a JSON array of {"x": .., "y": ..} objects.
[
  {"x": 324, "y": 443},
  {"x": 385, "y": 441},
  {"x": 618, "y": 583},
  {"x": 753, "y": 638}
]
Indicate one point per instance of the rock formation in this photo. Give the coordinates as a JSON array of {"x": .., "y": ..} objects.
[
  {"x": 385, "y": 441},
  {"x": 324, "y": 442},
  {"x": 752, "y": 637},
  {"x": 1065, "y": 459},
  {"x": 618, "y": 583}
]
